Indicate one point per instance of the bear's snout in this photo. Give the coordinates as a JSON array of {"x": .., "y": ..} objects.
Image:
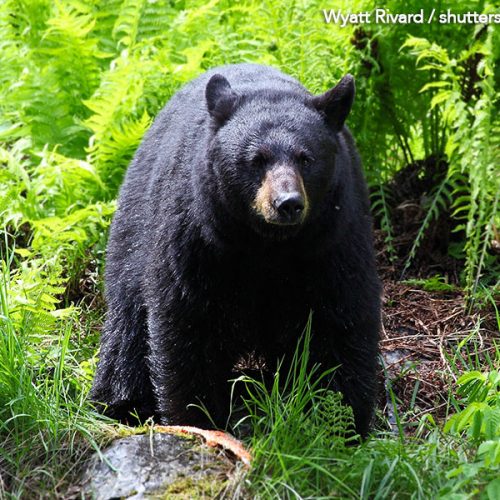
[{"x": 281, "y": 198}]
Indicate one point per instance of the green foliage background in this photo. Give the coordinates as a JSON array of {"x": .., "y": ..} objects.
[{"x": 81, "y": 81}]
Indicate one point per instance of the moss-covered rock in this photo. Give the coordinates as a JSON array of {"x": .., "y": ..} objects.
[{"x": 157, "y": 466}]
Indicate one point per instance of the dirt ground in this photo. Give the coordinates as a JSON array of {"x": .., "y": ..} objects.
[
  {"x": 427, "y": 338},
  {"x": 428, "y": 335}
]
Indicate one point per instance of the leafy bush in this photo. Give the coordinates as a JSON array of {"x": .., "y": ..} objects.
[{"x": 479, "y": 420}]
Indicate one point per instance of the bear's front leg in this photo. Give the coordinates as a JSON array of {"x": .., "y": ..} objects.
[
  {"x": 353, "y": 349},
  {"x": 188, "y": 371}
]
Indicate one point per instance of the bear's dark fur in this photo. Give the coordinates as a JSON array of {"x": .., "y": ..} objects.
[{"x": 244, "y": 209}]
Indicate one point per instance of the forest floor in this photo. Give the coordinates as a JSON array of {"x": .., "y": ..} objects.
[
  {"x": 421, "y": 339},
  {"x": 426, "y": 328}
]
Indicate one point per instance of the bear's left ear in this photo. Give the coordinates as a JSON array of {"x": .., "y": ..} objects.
[
  {"x": 336, "y": 103},
  {"x": 221, "y": 98}
]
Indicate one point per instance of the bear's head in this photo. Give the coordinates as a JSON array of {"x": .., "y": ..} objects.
[{"x": 273, "y": 151}]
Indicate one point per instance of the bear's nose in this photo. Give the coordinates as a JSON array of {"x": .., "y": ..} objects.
[{"x": 290, "y": 206}]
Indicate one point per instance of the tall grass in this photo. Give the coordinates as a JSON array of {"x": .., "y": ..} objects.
[{"x": 46, "y": 424}]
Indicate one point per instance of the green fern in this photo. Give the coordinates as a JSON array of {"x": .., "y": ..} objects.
[
  {"x": 470, "y": 148},
  {"x": 126, "y": 25},
  {"x": 119, "y": 117},
  {"x": 381, "y": 210},
  {"x": 440, "y": 201}
]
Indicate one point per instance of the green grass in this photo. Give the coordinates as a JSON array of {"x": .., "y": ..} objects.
[
  {"x": 81, "y": 82},
  {"x": 46, "y": 424}
]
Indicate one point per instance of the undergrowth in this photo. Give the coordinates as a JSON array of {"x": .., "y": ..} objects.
[
  {"x": 304, "y": 446},
  {"x": 46, "y": 426}
]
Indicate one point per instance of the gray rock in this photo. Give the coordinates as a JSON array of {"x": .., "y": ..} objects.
[{"x": 157, "y": 466}]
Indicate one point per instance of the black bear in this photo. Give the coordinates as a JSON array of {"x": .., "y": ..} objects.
[{"x": 244, "y": 209}]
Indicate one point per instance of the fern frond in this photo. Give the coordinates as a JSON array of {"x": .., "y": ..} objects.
[
  {"x": 127, "y": 24},
  {"x": 65, "y": 184},
  {"x": 380, "y": 208},
  {"x": 470, "y": 148},
  {"x": 75, "y": 52},
  {"x": 58, "y": 72},
  {"x": 438, "y": 204},
  {"x": 116, "y": 149}
]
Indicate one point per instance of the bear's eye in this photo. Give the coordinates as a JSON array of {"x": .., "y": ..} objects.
[{"x": 304, "y": 159}]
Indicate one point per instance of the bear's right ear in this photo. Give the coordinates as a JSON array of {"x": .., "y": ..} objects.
[
  {"x": 336, "y": 104},
  {"x": 221, "y": 98}
]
